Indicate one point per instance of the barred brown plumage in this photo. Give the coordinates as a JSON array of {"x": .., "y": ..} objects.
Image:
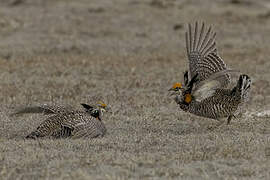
[
  {"x": 205, "y": 91},
  {"x": 65, "y": 122}
]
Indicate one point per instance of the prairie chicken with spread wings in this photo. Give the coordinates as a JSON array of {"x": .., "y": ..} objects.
[
  {"x": 205, "y": 90},
  {"x": 65, "y": 122}
]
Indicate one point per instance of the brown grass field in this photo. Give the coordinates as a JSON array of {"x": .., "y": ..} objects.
[{"x": 128, "y": 53}]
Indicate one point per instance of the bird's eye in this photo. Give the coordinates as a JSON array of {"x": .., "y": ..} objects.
[{"x": 95, "y": 113}]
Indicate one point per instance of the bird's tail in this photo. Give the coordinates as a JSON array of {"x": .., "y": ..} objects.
[{"x": 243, "y": 87}]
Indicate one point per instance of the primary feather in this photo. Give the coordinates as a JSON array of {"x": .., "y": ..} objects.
[{"x": 202, "y": 54}]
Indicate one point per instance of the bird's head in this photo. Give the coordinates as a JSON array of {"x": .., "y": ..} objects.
[
  {"x": 96, "y": 111},
  {"x": 176, "y": 89},
  {"x": 179, "y": 88},
  {"x": 184, "y": 92},
  {"x": 103, "y": 107}
]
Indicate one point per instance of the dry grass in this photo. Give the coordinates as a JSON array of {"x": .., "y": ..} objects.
[{"x": 128, "y": 53}]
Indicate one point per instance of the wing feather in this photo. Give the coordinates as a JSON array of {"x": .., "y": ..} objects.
[
  {"x": 208, "y": 87},
  {"x": 202, "y": 54}
]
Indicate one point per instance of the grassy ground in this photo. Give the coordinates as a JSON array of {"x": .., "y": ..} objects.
[{"x": 129, "y": 53}]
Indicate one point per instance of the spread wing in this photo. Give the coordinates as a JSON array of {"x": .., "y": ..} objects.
[
  {"x": 202, "y": 54},
  {"x": 208, "y": 87},
  {"x": 206, "y": 90}
]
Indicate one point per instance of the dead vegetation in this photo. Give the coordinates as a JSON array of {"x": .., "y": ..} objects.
[{"x": 129, "y": 53}]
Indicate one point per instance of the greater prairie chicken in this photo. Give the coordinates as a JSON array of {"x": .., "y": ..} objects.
[
  {"x": 205, "y": 90},
  {"x": 66, "y": 122}
]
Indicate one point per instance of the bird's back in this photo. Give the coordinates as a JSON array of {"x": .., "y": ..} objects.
[{"x": 69, "y": 125}]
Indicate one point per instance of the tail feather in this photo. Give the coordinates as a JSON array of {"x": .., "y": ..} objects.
[{"x": 243, "y": 87}]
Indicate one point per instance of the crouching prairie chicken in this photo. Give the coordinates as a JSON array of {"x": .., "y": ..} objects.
[
  {"x": 65, "y": 122},
  {"x": 205, "y": 91}
]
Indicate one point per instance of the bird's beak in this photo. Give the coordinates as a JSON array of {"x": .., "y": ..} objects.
[
  {"x": 172, "y": 92},
  {"x": 107, "y": 109}
]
